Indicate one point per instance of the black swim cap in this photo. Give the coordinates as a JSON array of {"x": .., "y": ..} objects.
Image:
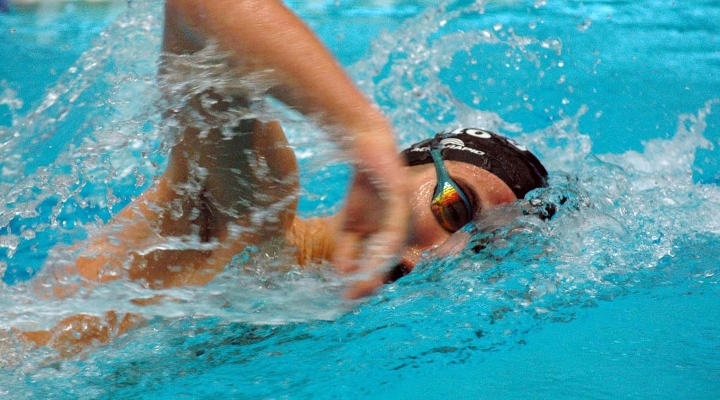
[{"x": 504, "y": 158}]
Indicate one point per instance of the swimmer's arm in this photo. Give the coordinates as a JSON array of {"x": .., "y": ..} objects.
[
  {"x": 177, "y": 233},
  {"x": 264, "y": 36},
  {"x": 78, "y": 332},
  {"x": 124, "y": 248}
]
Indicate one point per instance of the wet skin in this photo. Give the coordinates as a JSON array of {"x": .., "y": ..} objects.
[
  {"x": 484, "y": 189},
  {"x": 113, "y": 254},
  {"x": 314, "y": 238}
]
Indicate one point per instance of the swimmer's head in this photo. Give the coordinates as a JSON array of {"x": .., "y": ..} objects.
[
  {"x": 457, "y": 175},
  {"x": 504, "y": 158}
]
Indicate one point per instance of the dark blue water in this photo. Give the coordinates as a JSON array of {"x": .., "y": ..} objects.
[{"x": 615, "y": 297}]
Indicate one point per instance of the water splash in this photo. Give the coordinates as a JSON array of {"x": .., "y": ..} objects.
[
  {"x": 99, "y": 138},
  {"x": 65, "y": 160},
  {"x": 624, "y": 223}
]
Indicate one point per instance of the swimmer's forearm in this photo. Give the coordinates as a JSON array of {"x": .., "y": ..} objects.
[{"x": 264, "y": 36}]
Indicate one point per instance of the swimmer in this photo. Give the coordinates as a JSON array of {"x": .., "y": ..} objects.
[
  {"x": 452, "y": 179},
  {"x": 213, "y": 185}
]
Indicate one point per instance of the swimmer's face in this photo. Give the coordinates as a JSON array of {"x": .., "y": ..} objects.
[{"x": 483, "y": 189}]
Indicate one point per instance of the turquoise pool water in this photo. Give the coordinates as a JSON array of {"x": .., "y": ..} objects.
[{"x": 615, "y": 297}]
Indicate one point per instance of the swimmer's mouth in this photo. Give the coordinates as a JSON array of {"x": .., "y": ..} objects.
[{"x": 399, "y": 270}]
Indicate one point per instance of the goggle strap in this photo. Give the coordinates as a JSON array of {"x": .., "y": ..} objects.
[{"x": 443, "y": 178}]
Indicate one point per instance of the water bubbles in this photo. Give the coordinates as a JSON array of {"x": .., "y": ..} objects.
[
  {"x": 552, "y": 44},
  {"x": 10, "y": 242},
  {"x": 9, "y": 98},
  {"x": 584, "y": 25},
  {"x": 139, "y": 178}
]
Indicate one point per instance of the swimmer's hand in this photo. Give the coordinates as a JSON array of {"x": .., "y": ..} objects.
[{"x": 375, "y": 218}]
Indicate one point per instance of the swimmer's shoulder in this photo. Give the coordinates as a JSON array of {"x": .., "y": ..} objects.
[{"x": 313, "y": 238}]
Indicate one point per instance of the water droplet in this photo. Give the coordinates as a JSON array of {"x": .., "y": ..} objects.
[
  {"x": 497, "y": 26},
  {"x": 584, "y": 25}
]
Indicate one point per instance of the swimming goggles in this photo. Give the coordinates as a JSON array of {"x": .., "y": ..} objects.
[{"x": 449, "y": 205}]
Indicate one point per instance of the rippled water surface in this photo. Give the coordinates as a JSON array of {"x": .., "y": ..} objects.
[{"x": 616, "y": 296}]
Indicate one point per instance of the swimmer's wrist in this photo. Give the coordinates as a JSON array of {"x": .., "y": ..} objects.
[{"x": 370, "y": 143}]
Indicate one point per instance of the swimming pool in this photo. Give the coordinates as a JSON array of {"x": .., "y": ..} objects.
[{"x": 615, "y": 297}]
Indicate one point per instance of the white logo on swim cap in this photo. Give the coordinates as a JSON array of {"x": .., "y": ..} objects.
[
  {"x": 452, "y": 142},
  {"x": 516, "y": 144},
  {"x": 418, "y": 149},
  {"x": 478, "y": 133},
  {"x": 457, "y": 144}
]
